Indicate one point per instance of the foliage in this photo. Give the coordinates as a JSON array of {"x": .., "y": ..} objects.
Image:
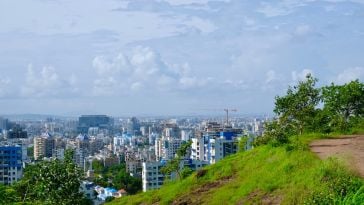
[
  {"x": 344, "y": 102},
  {"x": 8, "y": 195},
  {"x": 341, "y": 187},
  {"x": 173, "y": 165},
  {"x": 51, "y": 182},
  {"x": 123, "y": 180},
  {"x": 186, "y": 171},
  {"x": 341, "y": 111},
  {"x": 298, "y": 106},
  {"x": 116, "y": 176},
  {"x": 243, "y": 143}
]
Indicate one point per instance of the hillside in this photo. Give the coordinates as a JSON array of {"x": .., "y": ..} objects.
[{"x": 289, "y": 174}]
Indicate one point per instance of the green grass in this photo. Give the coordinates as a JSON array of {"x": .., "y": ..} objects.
[{"x": 287, "y": 174}]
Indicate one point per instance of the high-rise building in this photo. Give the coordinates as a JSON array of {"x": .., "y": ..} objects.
[
  {"x": 102, "y": 122},
  {"x": 4, "y": 124},
  {"x": 166, "y": 148},
  {"x": 215, "y": 143},
  {"x": 133, "y": 126},
  {"x": 43, "y": 146},
  {"x": 11, "y": 160},
  {"x": 17, "y": 132},
  {"x": 152, "y": 178}
]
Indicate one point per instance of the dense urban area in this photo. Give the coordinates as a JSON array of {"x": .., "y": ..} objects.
[{"x": 120, "y": 156}]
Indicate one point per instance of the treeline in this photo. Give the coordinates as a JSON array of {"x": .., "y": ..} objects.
[{"x": 307, "y": 108}]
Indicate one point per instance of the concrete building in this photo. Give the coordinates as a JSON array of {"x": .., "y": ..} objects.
[
  {"x": 85, "y": 122},
  {"x": 166, "y": 148},
  {"x": 43, "y": 146},
  {"x": 198, "y": 149},
  {"x": 215, "y": 142},
  {"x": 11, "y": 167},
  {"x": 16, "y": 132},
  {"x": 152, "y": 178}
]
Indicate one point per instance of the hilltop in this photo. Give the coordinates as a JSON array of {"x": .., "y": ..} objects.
[
  {"x": 290, "y": 174},
  {"x": 282, "y": 169}
]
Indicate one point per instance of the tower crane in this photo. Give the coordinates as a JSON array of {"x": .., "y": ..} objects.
[{"x": 227, "y": 110}]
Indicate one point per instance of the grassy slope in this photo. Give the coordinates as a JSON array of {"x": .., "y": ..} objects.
[{"x": 268, "y": 174}]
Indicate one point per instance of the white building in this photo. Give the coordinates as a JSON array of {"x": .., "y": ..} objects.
[
  {"x": 166, "y": 148},
  {"x": 152, "y": 178},
  {"x": 213, "y": 149},
  {"x": 198, "y": 149}
]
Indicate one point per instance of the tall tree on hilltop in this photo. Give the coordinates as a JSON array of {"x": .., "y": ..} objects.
[{"x": 298, "y": 106}]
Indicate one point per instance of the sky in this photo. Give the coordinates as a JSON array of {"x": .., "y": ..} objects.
[{"x": 171, "y": 57}]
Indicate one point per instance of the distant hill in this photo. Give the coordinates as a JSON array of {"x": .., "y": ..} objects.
[
  {"x": 34, "y": 117},
  {"x": 289, "y": 174}
]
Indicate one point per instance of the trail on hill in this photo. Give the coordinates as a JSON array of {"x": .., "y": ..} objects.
[{"x": 347, "y": 148}]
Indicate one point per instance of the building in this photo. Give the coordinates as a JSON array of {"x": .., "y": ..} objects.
[
  {"x": 17, "y": 132},
  {"x": 134, "y": 168},
  {"x": 4, "y": 124},
  {"x": 218, "y": 148},
  {"x": 166, "y": 148},
  {"x": 152, "y": 178},
  {"x": 198, "y": 148},
  {"x": 11, "y": 161},
  {"x": 102, "y": 122},
  {"x": 215, "y": 142},
  {"x": 88, "y": 189},
  {"x": 133, "y": 126},
  {"x": 43, "y": 146}
]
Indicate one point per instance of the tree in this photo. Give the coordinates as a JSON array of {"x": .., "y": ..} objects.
[
  {"x": 298, "y": 106},
  {"x": 173, "y": 165},
  {"x": 52, "y": 182},
  {"x": 8, "y": 195},
  {"x": 344, "y": 102},
  {"x": 131, "y": 184}
]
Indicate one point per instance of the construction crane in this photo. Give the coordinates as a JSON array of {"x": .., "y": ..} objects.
[
  {"x": 227, "y": 114},
  {"x": 226, "y": 110}
]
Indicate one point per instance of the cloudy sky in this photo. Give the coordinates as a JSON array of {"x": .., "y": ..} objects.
[{"x": 156, "y": 57}]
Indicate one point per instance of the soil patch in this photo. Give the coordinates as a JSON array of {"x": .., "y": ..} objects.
[{"x": 348, "y": 148}]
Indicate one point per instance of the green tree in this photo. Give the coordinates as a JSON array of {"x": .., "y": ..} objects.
[
  {"x": 123, "y": 180},
  {"x": 298, "y": 107},
  {"x": 173, "y": 165},
  {"x": 52, "y": 182},
  {"x": 344, "y": 102},
  {"x": 8, "y": 195}
]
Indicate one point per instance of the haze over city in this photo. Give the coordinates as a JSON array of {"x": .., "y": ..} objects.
[{"x": 164, "y": 57}]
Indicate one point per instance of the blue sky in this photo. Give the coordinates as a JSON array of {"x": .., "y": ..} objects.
[{"x": 156, "y": 57}]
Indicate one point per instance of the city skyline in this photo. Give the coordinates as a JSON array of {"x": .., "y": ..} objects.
[{"x": 166, "y": 57}]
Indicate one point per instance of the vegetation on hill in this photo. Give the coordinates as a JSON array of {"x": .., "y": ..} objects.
[
  {"x": 281, "y": 169},
  {"x": 289, "y": 174}
]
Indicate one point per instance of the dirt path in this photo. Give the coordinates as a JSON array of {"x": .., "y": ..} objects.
[{"x": 348, "y": 148}]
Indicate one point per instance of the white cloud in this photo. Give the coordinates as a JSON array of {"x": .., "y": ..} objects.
[
  {"x": 302, "y": 30},
  {"x": 106, "y": 67},
  {"x": 4, "y": 86},
  {"x": 300, "y": 76},
  {"x": 186, "y": 2},
  {"x": 142, "y": 70},
  {"x": 47, "y": 83},
  {"x": 350, "y": 74},
  {"x": 281, "y": 8}
]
